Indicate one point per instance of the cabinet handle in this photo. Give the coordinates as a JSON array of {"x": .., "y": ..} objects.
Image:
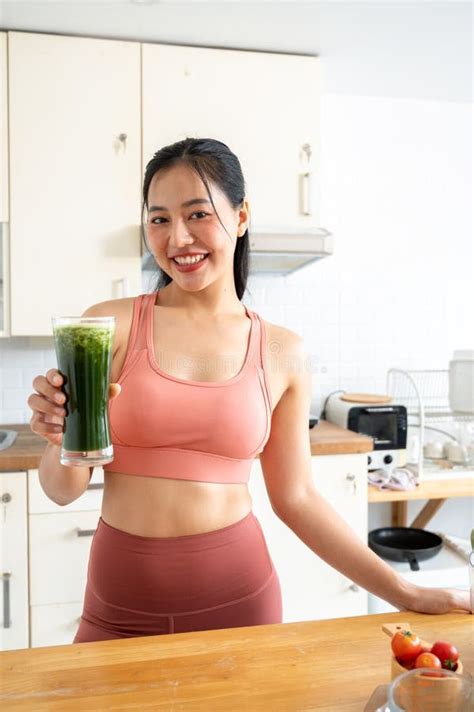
[
  {"x": 96, "y": 486},
  {"x": 354, "y": 587},
  {"x": 305, "y": 179},
  {"x": 86, "y": 532},
  {"x": 121, "y": 142},
  {"x": 350, "y": 477},
  {"x": 6, "y": 599},
  {"x": 304, "y": 194}
]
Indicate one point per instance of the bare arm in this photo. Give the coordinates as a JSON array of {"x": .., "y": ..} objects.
[
  {"x": 62, "y": 484},
  {"x": 286, "y": 465}
]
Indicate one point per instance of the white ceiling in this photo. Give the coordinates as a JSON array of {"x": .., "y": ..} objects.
[{"x": 401, "y": 49}]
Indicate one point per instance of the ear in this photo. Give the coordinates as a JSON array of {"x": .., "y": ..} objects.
[{"x": 244, "y": 218}]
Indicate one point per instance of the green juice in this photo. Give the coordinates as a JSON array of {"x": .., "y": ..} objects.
[{"x": 84, "y": 355}]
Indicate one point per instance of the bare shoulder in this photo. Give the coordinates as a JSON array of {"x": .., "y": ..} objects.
[
  {"x": 122, "y": 310},
  {"x": 282, "y": 339},
  {"x": 112, "y": 307},
  {"x": 285, "y": 352}
]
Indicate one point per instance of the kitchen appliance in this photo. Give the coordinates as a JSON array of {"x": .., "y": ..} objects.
[
  {"x": 405, "y": 544},
  {"x": 376, "y": 417}
]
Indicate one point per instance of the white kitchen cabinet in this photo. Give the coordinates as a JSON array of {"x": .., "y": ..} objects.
[
  {"x": 3, "y": 129},
  {"x": 75, "y": 175},
  {"x": 311, "y": 589},
  {"x": 59, "y": 545},
  {"x": 263, "y": 105},
  {"x": 4, "y": 207},
  {"x": 13, "y": 561},
  {"x": 54, "y": 624}
]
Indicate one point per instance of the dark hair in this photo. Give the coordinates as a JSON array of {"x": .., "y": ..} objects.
[{"x": 211, "y": 160}]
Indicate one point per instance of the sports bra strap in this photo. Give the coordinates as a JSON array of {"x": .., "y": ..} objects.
[{"x": 137, "y": 338}]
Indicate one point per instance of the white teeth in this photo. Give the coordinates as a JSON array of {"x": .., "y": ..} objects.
[{"x": 189, "y": 260}]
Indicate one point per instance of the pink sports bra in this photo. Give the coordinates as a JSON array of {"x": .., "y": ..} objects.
[{"x": 208, "y": 431}]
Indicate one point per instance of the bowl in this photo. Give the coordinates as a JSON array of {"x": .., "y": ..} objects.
[{"x": 396, "y": 669}]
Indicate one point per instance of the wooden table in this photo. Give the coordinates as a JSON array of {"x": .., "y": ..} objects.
[
  {"x": 331, "y": 665},
  {"x": 435, "y": 491}
]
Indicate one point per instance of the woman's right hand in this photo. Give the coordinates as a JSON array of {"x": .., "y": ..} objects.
[{"x": 48, "y": 405}]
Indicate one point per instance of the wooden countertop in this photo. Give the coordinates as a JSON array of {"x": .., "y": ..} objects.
[
  {"x": 26, "y": 451},
  {"x": 333, "y": 665},
  {"x": 325, "y": 439},
  {"x": 329, "y": 439},
  {"x": 429, "y": 489}
]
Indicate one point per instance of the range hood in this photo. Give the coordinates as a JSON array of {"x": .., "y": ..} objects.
[
  {"x": 285, "y": 252},
  {"x": 278, "y": 252}
]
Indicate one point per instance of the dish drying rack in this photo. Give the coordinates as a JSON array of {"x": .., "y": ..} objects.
[{"x": 425, "y": 395}]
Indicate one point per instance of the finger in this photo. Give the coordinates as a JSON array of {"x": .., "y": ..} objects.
[
  {"x": 41, "y": 404},
  {"x": 44, "y": 388},
  {"x": 38, "y": 426},
  {"x": 54, "y": 377},
  {"x": 114, "y": 390}
]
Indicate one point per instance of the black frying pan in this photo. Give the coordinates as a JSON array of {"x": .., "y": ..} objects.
[{"x": 405, "y": 544}]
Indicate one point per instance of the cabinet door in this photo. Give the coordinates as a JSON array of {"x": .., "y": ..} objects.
[
  {"x": 3, "y": 129},
  {"x": 311, "y": 589},
  {"x": 74, "y": 183},
  {"x": 55, "y": 624},
  {"x": 264, "y": 106},
  {"x": 13, "y": 561},
  {"x": 59, "y": 555},
  {"x": 4, "y": 253}
]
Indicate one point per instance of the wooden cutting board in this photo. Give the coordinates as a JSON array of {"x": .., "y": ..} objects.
[{"x": 372, "y": 398}]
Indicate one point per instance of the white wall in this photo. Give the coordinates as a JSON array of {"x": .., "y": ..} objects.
[{"x": 397, "y": 183}]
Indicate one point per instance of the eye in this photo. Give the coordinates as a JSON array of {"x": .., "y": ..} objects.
[{"x": 200, "y": 213}]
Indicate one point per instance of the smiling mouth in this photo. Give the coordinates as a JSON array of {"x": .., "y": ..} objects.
[{"x": 192, "y": 261}]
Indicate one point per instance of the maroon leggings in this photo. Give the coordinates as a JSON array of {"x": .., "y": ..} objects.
[{"x": 154, "y": 585}]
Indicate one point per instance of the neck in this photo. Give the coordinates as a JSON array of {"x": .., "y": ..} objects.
[{"x": 206, "y": 303}]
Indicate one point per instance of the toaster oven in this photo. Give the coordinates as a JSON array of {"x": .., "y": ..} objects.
[{"x": 386, "y": 424}]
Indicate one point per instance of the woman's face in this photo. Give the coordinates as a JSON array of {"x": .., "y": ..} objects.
[{"x": 181, "y": 221}]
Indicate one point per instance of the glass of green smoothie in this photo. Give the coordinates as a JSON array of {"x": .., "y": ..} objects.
[{"x": 84, "y": 354}]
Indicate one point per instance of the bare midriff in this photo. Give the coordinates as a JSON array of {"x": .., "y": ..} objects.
[{"x": 162, "y": 507}]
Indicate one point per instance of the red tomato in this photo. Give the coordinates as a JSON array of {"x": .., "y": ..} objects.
[
  {"x": 447, "y": 653},
  {"x": 427, "y": 660},
  {"x": 406, "y": 645}
]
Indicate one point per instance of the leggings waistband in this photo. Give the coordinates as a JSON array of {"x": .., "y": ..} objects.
[{"x": 184, "y": 543}]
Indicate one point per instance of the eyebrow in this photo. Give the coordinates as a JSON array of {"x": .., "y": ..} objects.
[{"x": 193, "y": 201}]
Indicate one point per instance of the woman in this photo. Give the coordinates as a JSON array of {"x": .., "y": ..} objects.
[{"x": 194, "y": 398}]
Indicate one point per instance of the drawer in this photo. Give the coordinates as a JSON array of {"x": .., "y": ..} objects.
[
  {"x": 59, "y": 546},
  {"x": 39, "y": 503},
  {"x": 55, "y": 624}
]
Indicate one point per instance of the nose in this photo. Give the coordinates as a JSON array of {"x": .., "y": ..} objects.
[{"x": 179, "y": 235}]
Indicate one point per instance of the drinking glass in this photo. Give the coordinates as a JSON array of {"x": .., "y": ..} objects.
[
  {"x": 84, "y": 355},
  {"x": 431, "y": 691}
]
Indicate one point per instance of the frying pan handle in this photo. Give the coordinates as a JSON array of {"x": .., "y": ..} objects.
[{"x": 411, "y": 558}]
